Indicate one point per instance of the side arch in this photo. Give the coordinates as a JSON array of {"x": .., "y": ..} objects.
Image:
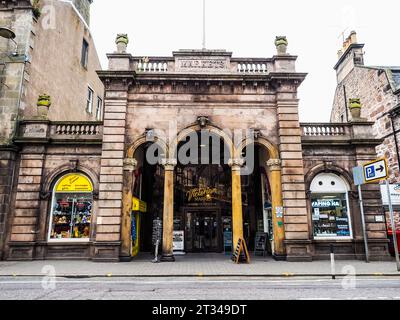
[
  {"x": 143, "y": 140},
  {"x": 328, "y": 168},
  {"x": 52, "y": 177},
  {"x": 272, "y": 149}
]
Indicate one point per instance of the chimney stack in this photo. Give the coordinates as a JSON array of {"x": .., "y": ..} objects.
[{"x": 350, "y": 55}]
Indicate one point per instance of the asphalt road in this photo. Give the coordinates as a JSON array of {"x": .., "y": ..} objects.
[{"x": 199, "y": 289}]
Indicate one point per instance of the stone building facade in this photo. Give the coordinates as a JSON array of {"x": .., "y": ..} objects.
[
  {"x": 99, "y": 190},
  {"x": 378, "y": 88},
  {"x": 44, "y": 57}
]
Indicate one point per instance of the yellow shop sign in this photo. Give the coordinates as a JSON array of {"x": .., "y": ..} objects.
[
  {"x": 139, "y": 205},
  {"x": 74, "y": 183}
]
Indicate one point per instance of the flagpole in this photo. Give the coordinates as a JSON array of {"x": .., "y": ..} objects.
[{"x": 204, "y": 24}]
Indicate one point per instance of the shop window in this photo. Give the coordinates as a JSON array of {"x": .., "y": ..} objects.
[
  {"x": 71, "y": 209},
  {"x": 330, "y": 207}
]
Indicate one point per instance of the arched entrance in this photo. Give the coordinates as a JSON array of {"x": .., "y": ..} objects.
[
  {"x": 207, "y": 197},
  {"x": 265, "y": 176},
  {"x": 203, "y": 193}
]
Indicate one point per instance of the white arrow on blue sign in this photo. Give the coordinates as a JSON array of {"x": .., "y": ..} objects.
[{"x": 375, "y": 171}]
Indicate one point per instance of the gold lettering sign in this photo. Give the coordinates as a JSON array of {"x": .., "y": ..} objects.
[
  {"x": 74, "y": 183},
  {"x": 201, "y": 194}
]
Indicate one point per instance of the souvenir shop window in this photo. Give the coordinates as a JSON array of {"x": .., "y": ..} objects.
[
  {"x": 71, "y": 209},
  {"x": 330, "y": 208}
]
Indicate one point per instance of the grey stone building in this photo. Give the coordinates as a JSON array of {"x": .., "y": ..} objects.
[
  {"x": 378, "y": 89},
  {"x": 35, "y": 37}
]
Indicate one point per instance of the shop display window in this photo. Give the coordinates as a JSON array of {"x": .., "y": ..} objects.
[
  {"x": 330, "y": 216},
  {"x": 330, "y": 208},
  {"x": 71, "y": 209}
]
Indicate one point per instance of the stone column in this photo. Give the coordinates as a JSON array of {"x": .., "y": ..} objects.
[
  {"x": 108, "y": 229},
  {"x": 237, "y": 210},
  {"x": 168, "y": 214},
  {"x": 275, "y": 169},
  {"x": 297, "y": 233},
  {"x": 129, "y": 167}
]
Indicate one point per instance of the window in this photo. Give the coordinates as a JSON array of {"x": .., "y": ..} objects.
[
  {"x": 85, "y": 54},
  {"x": 330, "y": 207},
  {"x": 89, "y": 104},
  {"x": 71, "y": 209},
  {"x": 99, "y": 109}
]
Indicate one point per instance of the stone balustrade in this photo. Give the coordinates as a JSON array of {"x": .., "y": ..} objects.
[
  {"x": 76, "y": 129},
  {"x": 169, "y": 64},
  {"x": 325, "y": 129},
  {"x": 252, "y": 67},
  {"x": 84, "y": 131},
  {"x": 152, "y": 64},
  {"x": 359, "y": 131},
  {"x": 47, "y": 131}
]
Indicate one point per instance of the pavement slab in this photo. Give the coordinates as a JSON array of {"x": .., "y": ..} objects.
[{"x": 197, "y": 266}]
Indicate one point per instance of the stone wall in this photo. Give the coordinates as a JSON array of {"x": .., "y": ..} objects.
[
  {"x": 20, "y": 20},
  {"x": 7, "y": 165},
  {"x": 59, "y": 73},
  {"x": 372, "y": 87},
  {"x": 83, "y": 7},
  {"x": 39, "y": 169},
  {"x": 340, "y": 159}
]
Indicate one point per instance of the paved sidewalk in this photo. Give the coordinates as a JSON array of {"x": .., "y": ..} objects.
[{"x": 196, "y": 265}]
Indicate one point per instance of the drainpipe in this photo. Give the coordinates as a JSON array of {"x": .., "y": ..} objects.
[{"x": 345, "y": 103}]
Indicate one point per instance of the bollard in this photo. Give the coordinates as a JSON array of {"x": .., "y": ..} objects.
[
  {"x": 156, "y": 253},
  {"x": 333, "y": 269}
]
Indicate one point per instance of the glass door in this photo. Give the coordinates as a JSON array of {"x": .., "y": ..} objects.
[{"x": 204, "y": 231}]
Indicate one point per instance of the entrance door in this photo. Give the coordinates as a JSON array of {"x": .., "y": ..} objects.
[{"x": 204, "y": 231}]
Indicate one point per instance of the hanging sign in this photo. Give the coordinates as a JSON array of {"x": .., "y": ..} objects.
[
  {"x": 138, "y": 205},
  {"x": 74, "y": 183}
]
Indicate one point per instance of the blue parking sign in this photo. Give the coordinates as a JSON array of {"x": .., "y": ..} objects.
[
  {"x": 375, "y": 171},
  {"x": 370, "y": 172}
]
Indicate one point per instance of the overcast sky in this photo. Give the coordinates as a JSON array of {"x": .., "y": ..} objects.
[{"x": 248, "y": 29}]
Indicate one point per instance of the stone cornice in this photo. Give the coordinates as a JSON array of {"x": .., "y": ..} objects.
[{"x": 15, "y": 4}]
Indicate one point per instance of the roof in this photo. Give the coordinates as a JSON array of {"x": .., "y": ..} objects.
[{"x": 392, "y": 73}]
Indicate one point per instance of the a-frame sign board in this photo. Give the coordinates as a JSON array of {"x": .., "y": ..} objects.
[{"x": 241, "y": 253}]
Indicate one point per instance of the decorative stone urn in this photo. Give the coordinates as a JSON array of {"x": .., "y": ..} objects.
[
  {"x": 281, "y": 44},
  {"x": 37, "y": 12},
  {"x": 43, "y": 105},
  {"x": 355, "y": 108},
  {"x": 122, "y": 41}
]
